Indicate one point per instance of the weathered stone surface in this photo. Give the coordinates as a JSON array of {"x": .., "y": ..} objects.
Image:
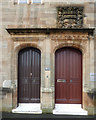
[
  {"x": 45, "y": 16},
  {"x": 70, "y": 17}
]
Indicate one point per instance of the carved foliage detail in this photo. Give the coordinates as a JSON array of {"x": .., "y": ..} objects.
[{"x": 70, "y": 17}]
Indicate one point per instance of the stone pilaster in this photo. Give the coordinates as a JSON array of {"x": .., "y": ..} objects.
[{"x": 47, "y": 92}]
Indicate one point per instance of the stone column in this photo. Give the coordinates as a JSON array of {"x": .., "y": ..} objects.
[
  {"x": 91, "y": 63},
  {"x": 92, "y": 77},
  {"x": 95, "y": 73},
  {"x": 89, "y": 77},
  {"x": 47, "y": 92}
]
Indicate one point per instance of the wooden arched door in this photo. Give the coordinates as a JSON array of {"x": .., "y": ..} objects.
[
  {"x": 68, "y": 76},
  {"x": 29, "y": 67}
]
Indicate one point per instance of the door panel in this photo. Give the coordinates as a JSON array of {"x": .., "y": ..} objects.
[
  {"x": 29, "y": 67},
  {"x": 68, "y": 67},
  {"x": 75, "y": 76},
  {"x": 60, "y": 94},
  {"x": 61, "y": 73},
  {"x": 75, "y": 93}
]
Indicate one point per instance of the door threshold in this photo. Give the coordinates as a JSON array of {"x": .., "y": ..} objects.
[
  {"x": 69, "y": 109},
  {"x": 30, "y": 108}
]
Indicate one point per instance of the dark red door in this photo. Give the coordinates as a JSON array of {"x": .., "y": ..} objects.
[
  {"x": 29, "y": 67},
  {"x": 68, "y": 76}
]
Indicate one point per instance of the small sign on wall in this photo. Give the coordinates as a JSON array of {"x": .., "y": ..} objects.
[
  {"x": 92, "y": 76},
  {"x": 47, "y": 69},
  {"x": 36, "y": 1},
  {"x": 22, "y": 1},
  {"x": 47, "y": 77},
  {"x": 7, "y": 84}
]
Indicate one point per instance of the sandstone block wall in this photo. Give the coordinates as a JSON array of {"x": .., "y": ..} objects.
[{"x": 14, "y": 15}]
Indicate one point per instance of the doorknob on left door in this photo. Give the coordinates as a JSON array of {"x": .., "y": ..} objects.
[{"x": 30, "y": 74}]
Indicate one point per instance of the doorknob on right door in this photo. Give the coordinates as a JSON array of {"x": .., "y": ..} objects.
[{"x": 71, "y": 81}]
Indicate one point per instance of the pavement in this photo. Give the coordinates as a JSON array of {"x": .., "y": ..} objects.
[{"x": 18, "y": 116}]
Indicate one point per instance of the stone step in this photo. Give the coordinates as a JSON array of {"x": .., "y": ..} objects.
[
  {"x": 33, "y": 108},
  {"x": 69, "y": 109}
]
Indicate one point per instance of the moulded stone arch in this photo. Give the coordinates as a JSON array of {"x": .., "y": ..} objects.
[
  {"x": 77, "y": 46},
  {"x": 16, "y": 50},
  {"x": 24, "y": 45}
]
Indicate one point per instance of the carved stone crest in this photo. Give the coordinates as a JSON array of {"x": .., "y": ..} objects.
[{"x": 70, "y": 17}]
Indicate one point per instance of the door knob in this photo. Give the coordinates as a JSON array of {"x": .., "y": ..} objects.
[
  {"x": 64, "y": 80},
  {"x": 71, "y": 81},
  {"x": 30, "y": 74}
]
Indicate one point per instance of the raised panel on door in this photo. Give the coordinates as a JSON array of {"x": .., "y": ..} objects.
[
  {"x": 35, "y": 79},
  {"x": 23, "y": 82},
  {"x": 75, "y": 76},
  {"x": 74, "y": 93},
  {"x": 29, "y": 62}
]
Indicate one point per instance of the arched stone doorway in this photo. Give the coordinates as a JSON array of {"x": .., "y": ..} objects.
[
  {"x": 68, "y": 81},
  {"x": 28, "y": 80}
]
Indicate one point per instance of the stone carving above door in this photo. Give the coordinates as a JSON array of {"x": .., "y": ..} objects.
[{"x": 70, "y": 17}]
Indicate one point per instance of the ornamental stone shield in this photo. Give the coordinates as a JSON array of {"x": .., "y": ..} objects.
[{"x": 70, "y": 17}]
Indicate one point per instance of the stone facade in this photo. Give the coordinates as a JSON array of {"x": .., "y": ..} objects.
[{"x": 35, "y": 25}]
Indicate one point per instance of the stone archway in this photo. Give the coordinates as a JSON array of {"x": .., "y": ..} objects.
[
  {"x": 80, "y": 42},
  {"x": 15, "y": 52}
]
